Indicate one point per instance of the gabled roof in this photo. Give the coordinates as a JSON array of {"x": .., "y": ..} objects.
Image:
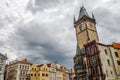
[
  {"x": 24, "y": 61},
  {"x": 82, "y": 13},
  {"x": 49, "y": 65}
]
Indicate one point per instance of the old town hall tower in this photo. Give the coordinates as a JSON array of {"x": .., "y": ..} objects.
[{"x": 85, "y": 27}]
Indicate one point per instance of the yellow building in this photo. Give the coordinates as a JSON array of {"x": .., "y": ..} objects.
[
  {"x": 34, "y": 72},
  {"x": 39, "y": 72},
  {"x": 44, "y": 72}
]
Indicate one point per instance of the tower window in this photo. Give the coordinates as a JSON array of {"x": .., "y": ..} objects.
[
  {"x": 118, "y": 62},
  {"x": 80, "y": 26},
  {"x": 108, "y": 62},
  {"x": 105, "y": 51},
  {"x": 116, "y": 54}
]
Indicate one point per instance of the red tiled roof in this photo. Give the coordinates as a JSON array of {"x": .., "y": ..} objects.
[
  {"x": 116, "y": 45},
  {"x": 48, "y": 65},
  {"x": 25, "y": 61}
]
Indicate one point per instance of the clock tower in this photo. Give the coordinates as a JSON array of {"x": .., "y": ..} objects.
[{"x": 85, "y": 27}]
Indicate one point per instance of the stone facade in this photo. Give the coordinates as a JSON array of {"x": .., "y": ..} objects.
[{"x": 110, "y": 60}]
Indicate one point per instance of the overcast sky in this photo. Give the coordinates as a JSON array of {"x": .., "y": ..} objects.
[{"x": 43, "y": 32}]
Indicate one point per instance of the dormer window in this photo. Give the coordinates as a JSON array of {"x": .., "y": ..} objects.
[{"x": 80, "y": 26}]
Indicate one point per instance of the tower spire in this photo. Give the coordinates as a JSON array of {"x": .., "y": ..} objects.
[
  {"x": 82, "y": 12},
  {"x": 74, "y": 19}
]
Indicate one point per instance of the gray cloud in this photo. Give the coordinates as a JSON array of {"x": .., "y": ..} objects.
[{"x": 49, "y": 35}]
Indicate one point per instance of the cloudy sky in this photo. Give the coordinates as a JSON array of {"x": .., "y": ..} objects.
[{"x": 42, "y": 30}]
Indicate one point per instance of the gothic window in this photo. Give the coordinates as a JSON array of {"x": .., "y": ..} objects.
[{"x": 80, "y": 26}]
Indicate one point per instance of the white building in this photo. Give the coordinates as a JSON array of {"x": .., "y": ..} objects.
[
  {"x": 59, "y": 73},
  {"x": 17, "y": 70},
  {"x": 3, "y": 59},
  {"x": 52, "y": 71}
]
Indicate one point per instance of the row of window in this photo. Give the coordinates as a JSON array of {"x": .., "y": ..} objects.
[
  {"x": 23, "y": 72},
  {"x": 45, "y": 69},
  {"x": 43, "y": 75},
  {"x": 107, "y": 73},
  {"x": 116, "y": 53},
  {"x": 108, "y": 61},
  {"x": 22, "y": 78},
  {"x": 24, "y": 67}
]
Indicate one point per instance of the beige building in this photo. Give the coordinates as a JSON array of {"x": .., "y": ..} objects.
[
  {"x": 17, "y": 70},
  {"x": 59, "y": 73},
  {"x": 52, "y": 68},
  {"x": 110, "y": 58}
]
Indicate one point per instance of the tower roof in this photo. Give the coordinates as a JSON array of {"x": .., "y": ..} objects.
[{"x": 82, "y": 13}]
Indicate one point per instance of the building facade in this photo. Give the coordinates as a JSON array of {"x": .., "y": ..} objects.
[
  {"x": 71, "y": 74},
  {"x": 39, "y": 72},
  {"x": 52, "y": 68},
  {"x": 51, "y": 71},
  {"x": 94, "y": 60},
  {"x": 59, "y": 73},
  {"x": 3, "y": 59},
  {"x": 17, "y": 70}
]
